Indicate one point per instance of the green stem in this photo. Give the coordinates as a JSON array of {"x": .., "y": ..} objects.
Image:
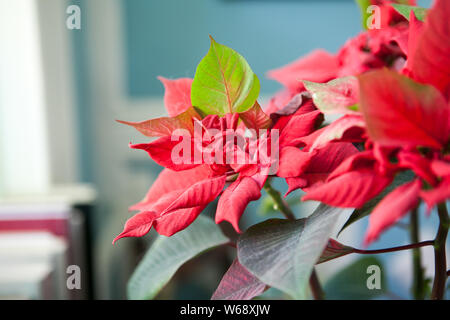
[
  {"x": 440, "y": 263},
  {"x": 280, "y": 203},
  {"x": 284, "y": 208},
  {"x": 418, "y": 287}
]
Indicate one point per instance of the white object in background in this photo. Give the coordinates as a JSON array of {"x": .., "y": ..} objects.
[
  {"x": 24, "y": 164},
  {"x": 23, "y": 281},
  {"x": 28, "y": 248}
]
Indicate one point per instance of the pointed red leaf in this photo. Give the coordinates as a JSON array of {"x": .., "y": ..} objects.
[
  {"x": 137, "y": 226},
  {"x": 238, "y": 284},
  {"x": 354, "y": 161},
  {"x": 322, "y": 163},
  {"x": 441, "y": 168},
  {"x": 317, "y": 66},
  {"x": 169, "y": 181},
  {"x": 297, "y": 106},
  {"x": 350, "y": 128},
  {"x": 298, "y": 126},
  {"x": 392, "y": 208},
  {"x": 417, "y": 163},
  {"x": 169, "y": 224},
  {"x": 255, "y": 118},
  {"x": 161, "y": 150},
  {"x": 199, "y": 194},
  {"x": 401, "y": 112},
  {"x": 431, "y": 61},
  {"x": 177, "y": 96},
  {"x": 293, "y": 162},
  {"x": 175, "y": 209},
  {"x": 437, "y": 195},
  {"x": 414, "y": 33},
  {"x": 350, "y": 190},
  {"x": 165, "y": 126},
  {"x": 235, "y": 199}
]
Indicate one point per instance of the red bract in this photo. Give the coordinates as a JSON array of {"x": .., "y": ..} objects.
[
  {"x": 392, "y": 208},
  {"x": 367, "y": 51},
  {"x": 177, "y": 97},
  {"x": 408, "y": 128},
  {"x": 318, "y": 66},
  {"x": 185, "y": 188},
  {"x": 400, "y": 112},
  {"x": 169, "y": 189},
  {"x": 431, "y": 60},
  {"x": 371, "y": 50},
  {"x": 389, "y": 16}
]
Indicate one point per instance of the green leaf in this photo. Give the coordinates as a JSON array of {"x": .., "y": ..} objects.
[
  {"x": 167, "y": 254},
  {"x": 400, "y": 178},
  {"x": 224, "y": 82},
  {"x": 282, "y": 253},
  {"x": 334, "y": 250},
  {"x": 336, "y": 96},
  {"x": 405, "y": 10},
  {"x": 351, "y": 283},
  {"x": 363, "y": 4}
]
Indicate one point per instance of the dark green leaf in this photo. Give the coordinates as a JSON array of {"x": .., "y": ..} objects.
[
  {"x": 167, "y": 254},
  {"x": 238, "y": 284},
  {"x": 351, "y": 283},
  {"x": 333, "y": 250},
  {"x": 282, "y": 253}
]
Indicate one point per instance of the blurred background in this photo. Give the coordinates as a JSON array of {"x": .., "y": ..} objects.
[{"x": 67, "y": 175}]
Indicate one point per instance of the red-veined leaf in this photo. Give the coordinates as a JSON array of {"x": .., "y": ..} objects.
[
  {"x": 431, "y": 63},
  {"x": 333, "y": 250},
  {"x": 336, "y": 96},
  {"x": 317, "y": 66},
  {"x": 165, "y": 126},
  {"x": 235, "y": 199},
  {"x": 401, "y": 112},
  {"x": 255, "y": 118},
  {"x": 224, "y": 82},
  {"x": 177, "y": 95},
  {"x": 350, "y": 128},
  {"x": 392, "y": 208},
  {"x": 238, "y": 284}
]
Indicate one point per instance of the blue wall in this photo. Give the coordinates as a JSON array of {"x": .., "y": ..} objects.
[{"x": 170, "y": 37}]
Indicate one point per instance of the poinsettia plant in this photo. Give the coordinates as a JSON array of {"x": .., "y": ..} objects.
[{"x": 386, "y": 151}]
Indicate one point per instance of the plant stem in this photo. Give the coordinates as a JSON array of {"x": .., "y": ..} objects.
[
  {"x": 418, "y": 287},
  {"x": 440, "y": 263},
  {"x": 280, "y": 203},
  {"x": 284, "y": 208},
  {"x": 393, "y": 249},
  {"x": 315, "y": 286}
]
